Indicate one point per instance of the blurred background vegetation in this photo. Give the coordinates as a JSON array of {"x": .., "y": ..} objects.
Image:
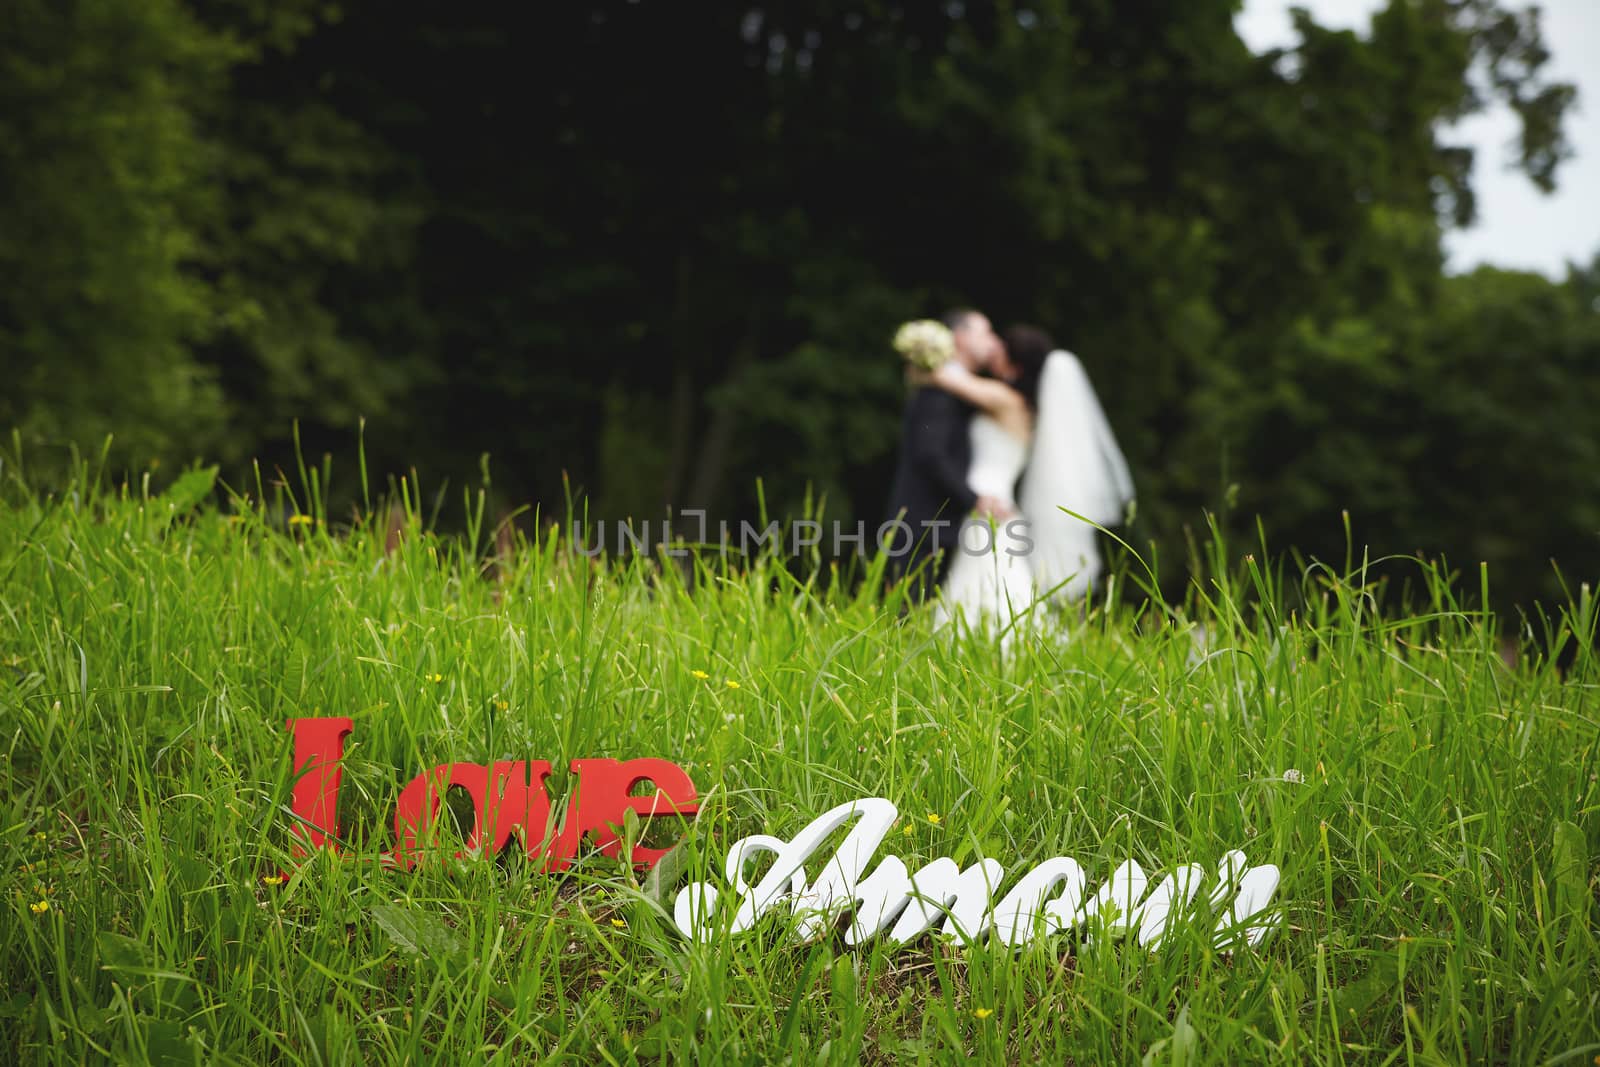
[{"x": 653, "y": 252}]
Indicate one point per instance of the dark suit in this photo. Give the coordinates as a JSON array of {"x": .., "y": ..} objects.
[{"x": 930, "y": 482}]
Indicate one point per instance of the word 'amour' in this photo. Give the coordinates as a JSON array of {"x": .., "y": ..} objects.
[{"x": 1049, "y": 899}]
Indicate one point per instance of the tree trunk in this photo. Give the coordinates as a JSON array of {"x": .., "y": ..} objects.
[
  {"x": 680, "y": 417},
  {"x": 712, "y": 464}
]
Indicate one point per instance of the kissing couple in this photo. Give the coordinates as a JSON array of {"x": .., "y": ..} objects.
[{"x": 983, "y": 415}]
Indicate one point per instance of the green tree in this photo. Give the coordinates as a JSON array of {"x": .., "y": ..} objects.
[
  {"x": 653, "y": 253},
  {"x": 101, "y": 189},
  {"x": 308, "y": 254},
  {"x": 1508, "y": 469}
]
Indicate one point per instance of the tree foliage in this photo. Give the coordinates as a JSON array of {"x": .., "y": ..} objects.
[
  {"x": 653, "y": 252},
  {"x": 101, "y": 208}
]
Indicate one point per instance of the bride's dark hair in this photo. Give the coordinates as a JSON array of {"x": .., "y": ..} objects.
[{"x": 1027, "y": 347}]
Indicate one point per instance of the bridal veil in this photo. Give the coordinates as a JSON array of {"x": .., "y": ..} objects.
[{"x": 1075, "y": 465}]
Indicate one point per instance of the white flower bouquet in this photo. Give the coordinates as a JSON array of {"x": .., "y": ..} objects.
[{"x": 925, "y": 343}]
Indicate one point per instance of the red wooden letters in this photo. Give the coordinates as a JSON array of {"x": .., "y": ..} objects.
[
  {"x": 507, "y": 797},
  {"x": 318, "y": 752}
]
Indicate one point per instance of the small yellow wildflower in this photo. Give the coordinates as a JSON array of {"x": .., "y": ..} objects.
[
  {"x": 618, "y": 923},
  {"x": 731, "y": 684},
  {"x": 982, "y": 1013},
  {"x": 40, "y": 837},
  {"x": 272, "y": 879},
  {"x": 435, "y": 678},
  {"x": 299, "y": 520},
  {"x": 502, "y": 704},
  {"x": 702, "y": 675},
  {"x": 40, "y": 908},
  {"x": 934, "y": 818},
  {"x": 907, "y": 830}
]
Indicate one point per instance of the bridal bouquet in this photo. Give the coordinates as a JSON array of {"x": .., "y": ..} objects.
[{"x": 925, "y": 343}]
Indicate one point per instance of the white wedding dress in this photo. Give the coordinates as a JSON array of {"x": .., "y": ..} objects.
[
  {"x": 990, "y": 581},
  {"x": 1001, "y": 568}
]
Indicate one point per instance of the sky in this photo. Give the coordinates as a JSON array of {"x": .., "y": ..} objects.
[{"x": 1518, "y": 226}]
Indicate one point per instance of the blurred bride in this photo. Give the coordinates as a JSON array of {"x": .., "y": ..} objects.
[{"x": 1039, "y": 421}]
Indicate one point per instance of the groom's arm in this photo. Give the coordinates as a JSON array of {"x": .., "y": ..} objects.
[{"x": 937, "y": 419}]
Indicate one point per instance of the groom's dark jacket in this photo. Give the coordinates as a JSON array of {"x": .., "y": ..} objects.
[{"x": 930, "y": 482}]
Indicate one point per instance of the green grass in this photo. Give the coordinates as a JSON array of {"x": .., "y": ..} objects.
[{"x": 1439, "y": 856}]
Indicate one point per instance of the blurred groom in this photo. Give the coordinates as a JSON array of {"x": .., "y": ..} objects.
[{"x": 930, "y": 495}]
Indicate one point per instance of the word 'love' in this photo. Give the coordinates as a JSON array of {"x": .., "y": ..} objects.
[
  {"x": 508, "y": 798},
  {"x": 1049, "y": 899}
]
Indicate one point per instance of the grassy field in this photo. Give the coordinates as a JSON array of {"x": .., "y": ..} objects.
[{"x": 1437, "y": 845}]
